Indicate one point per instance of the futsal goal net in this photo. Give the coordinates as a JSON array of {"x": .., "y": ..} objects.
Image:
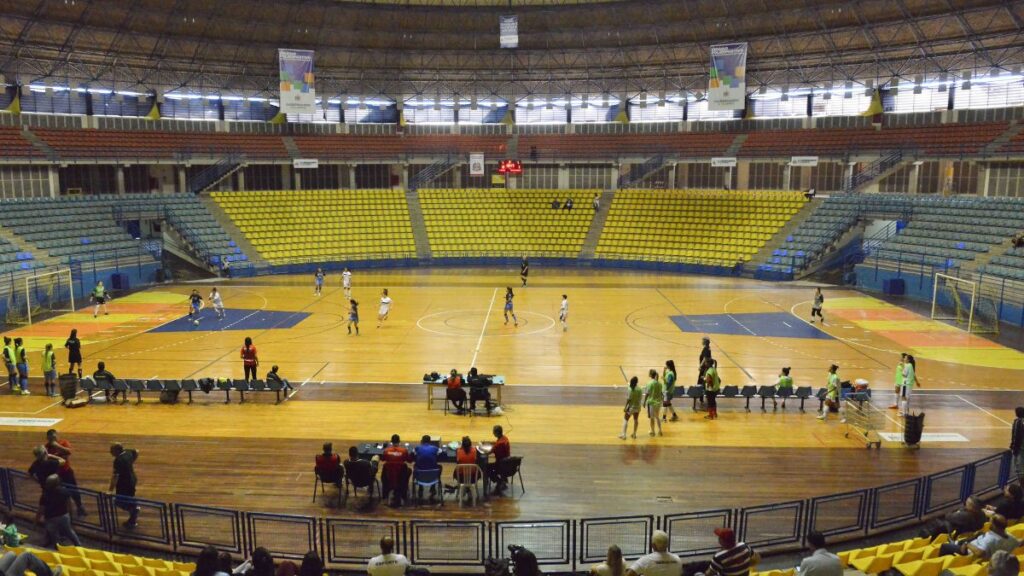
[
  {"x": 35, "y": 297},
  {"x": 966, "y": 303}
]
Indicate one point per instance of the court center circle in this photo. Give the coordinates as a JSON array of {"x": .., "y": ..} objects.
[{"x": 470, "y": 322}]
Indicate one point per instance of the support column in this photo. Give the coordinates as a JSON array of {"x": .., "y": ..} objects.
[
  {"x": 683, "y": 177},
  {"x": 119, "y": 176},
  {"x": 984, "y": 178},
  {"x": 240, "y": 185},
  {"x": 53, "y": 175},
  {"x": 848, "y": 174},
  {"x": 182, "y": 178},
  {"x": 286, "y": 177},
  {"x": 787, "y": 177},
  {"x": 728, "y": 178},
  {"x": 912, "y": 181},
  {"x": 743, "y": 175},
  {"x": 672, "y": 168},
  {"x": 946, "y": 173},
  {"x": 352, "y": 176},
  {"x": 563, "y": 177},
  {"x": 298, "y": 179},
  {"x": 457, "y": 175},
  {"x": 805, "y": 177},
  {"x": 616, "y": 170},
  {"x": 341, "y": 175}
]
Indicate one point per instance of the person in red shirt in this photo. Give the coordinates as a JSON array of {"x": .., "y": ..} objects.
[
  {"x": 396, "y": 471},
  {"x": 501, "y": 450},
  {"x": 249, "y": 359},
  {"x": 328, "y": 466},
  {"x": 62, "y": 449},
  {"x": 455, "y": 393}
]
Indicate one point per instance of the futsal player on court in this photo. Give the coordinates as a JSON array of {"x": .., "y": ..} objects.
[
  {"x": 509, "y": 309},
  {"x": 346, "y": 282},
  {"x": 318, "y": 278},
  {"x": 218, "y": 303},
  {"x": 832, "y": 395},
  {"x": 712, "y": 386},
  {"x": 385, "y": 308},
  {"x": 524, "y": 270},
  {"x": 195, "y": 304},
  {"x": 654, "y": 395},
  {"x": 563, "y": 313},
  {"x": 819, "y": 300},
  {"x": 353, "y": 316},
  {"x": 634, "y": 395},
  {"x": 99, "y": 298},
  {"x": 668, "y": 377}
]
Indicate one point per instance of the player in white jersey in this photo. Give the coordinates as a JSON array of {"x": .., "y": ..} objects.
[
  {"x": 563, "y": 313},
  {"x": 346, "y": 282},
  {"x": 218, "y": 304},
  {"x": 385, "y": 307}
]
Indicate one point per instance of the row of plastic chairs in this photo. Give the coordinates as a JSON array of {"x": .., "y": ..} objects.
[{"x": 206, "y": 385}]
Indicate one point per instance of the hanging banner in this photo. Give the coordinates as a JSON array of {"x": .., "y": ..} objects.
[
  {"x": 723, "y": 162},
  {"x": 727, "y": 86},
  {"x": 508, "y": 32},
  {"x": 803, "y": 161},
  {"x": 476, "y": 163},
  {"x": 298, "y": 95}
]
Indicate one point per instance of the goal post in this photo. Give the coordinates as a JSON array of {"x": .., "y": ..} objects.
[
  {"x": 40, "y": 295},
  {"x": 964, "y": 302}
]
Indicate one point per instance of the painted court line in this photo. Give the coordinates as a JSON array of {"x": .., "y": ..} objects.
[
  {"x": 983, "y": 410},
  {"x": 487, "y": 319}
]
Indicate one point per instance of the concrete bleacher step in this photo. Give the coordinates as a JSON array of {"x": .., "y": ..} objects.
[
  {"x": 1015, "y": 128},
  {"x": 737, "y": 143},
  {"x": 36, "y": 141},
  {"x": 985, "y": 257},
  {"x": 779, "y": 239},
  {"x": 589, "y": 249},
  {"x": 291, "y": 147},
  {"x": 419, "y": 226},
  {"x": 232, "y": 230}
]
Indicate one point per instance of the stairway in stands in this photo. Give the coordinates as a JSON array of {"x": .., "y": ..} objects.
[
  {"x": 764, "y": 255},
  {"x": 232, "y": 230},
  {"x": 291, "y": 147},
  {"x": 419, "y": 227},
  {"x": 36, "y": 141},
  {"x": 589, "y": 250}
]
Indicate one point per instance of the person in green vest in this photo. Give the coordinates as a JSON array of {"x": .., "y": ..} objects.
[
  {"x": 898, "y": 381},
  {"x": 654, "y": 395},
  {"x": 668, "y": 377},
  {"x": 50, "y": 370},
  {"x": 832, "y": 395},
  {"x": 712, "y": 386},
  {"x": 784, "y": 381},
  {"x": 910, "y": 381},
  {"x": 12, "y": 374},
  {"x": 22, "y": 364},
  {"x": 99, "y": 298},
  {"x": 634, "y": 397}
]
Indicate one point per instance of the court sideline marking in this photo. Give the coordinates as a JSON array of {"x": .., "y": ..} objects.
[
  {"x": 983, "y": 410},
  {"x": 483, "y": 329}
]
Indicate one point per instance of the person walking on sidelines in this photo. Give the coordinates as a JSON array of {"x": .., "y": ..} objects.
[
  {"x": 22, "y": 364},
  {"x": 832, "y": 395},
  {"x": 898, "y": 381},
  {"x": 712, "y": 385},
  {"x": 9, "y": 362},
  {"x": 910, "y": 381},
  {"x": 819, "y": 300},
  {"x": 654, "y": 395},
  {"x": 346, "y": 282},
  {"x": 668, "y": 376},
  {"x": 524, "y": 270},
  {"x": 99, "y": 298},
  {"x": 74, "y": 346},
  {"x": 1017, "y": 444},
  {"x": 55, "y": 513},
  {"x": 633, "y": 401},
  {"x": 123, "y": 482},
  {"x": 50, "y": 370}
]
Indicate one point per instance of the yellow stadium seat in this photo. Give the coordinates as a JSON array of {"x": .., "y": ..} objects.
[
  {"x": 73, "y": 561},
  {"x": 125, "y": 560},
  {"x": 104, "y": 566},
  {"x": 930, "y": 567},
  {"x": 136, "y": 570},
  {"x": 188, "y": 567},
  {"x": 71, "y": 550},
  {"x": 970, "y": 570},
  {"x": 156, "y": 564}
]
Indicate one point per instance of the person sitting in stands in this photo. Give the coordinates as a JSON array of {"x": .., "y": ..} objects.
[
  {"x": 261, "y": 563},
  {"x": 964, "y": 520},
  {"x": 660, "y": 562},
  {"x": 455, "y": 393},
  {"x": 501, "y": 450},
  {"x": 103, "y": 375},
  {"x": 208, "y": 563},
  {"x": 985, "y": 545},
  {"x": 274, "y": 377},
  {"x": 568, "y": 204},
  {"x": 735, "y": 558},
  {"x": 12, "y": 564},
  {"x": 614, "y": 565},
  {"x": 1012, "y": 507},
  {"x": 555, "y": 204},
  {"x": 396, "y": 471},
  {"x": 1018, "y": 240},
  {"x": 426, "y": 459},
  {"x": 388, "y": 563},
  {"x": 1003, "y": 563},
  {"x": 328, "y": 466},
  {"x": 821, "y": 562}
]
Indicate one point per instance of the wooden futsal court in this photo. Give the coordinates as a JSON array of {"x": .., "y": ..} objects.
[{"x": 563, "y": 400}]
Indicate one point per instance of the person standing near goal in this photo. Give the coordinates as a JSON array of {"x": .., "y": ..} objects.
[
  {"x": 509, "y": 308},
  {"x": 819, "y": 300},
  {"x": 99, "y": 298},
  {"x": 218, "y": 303},
  {"x": 318, "y": 278},
  {"x": 346, "y": 282},
  {"x": 385, "y": 308},
  {"x": 563, "y": 313}
]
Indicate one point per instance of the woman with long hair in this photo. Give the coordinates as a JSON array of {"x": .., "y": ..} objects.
[
  {"x": 632, "y": 410},
  {"x": 74, "y": 346},
  {"x": 668, "y": 377},
  {"x": 614, "y": 565},
  {"x": 910, "y": 381},
  {"x": 249, "y": 359},
  {"x": 654, "y": 395},
  {"x": 353, "y": 316}
]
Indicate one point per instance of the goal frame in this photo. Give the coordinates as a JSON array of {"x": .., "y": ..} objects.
[
  {"x": 957, "y": 284},
  {"x": 60, "y": 272}
]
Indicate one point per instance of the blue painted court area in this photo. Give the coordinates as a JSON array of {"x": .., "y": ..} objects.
[
  {"x": 235, "y": 320},
  {"x": 769, "y": 324}
]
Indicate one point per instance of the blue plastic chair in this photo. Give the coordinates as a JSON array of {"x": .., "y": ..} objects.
[{"x": 427, "y": 479}]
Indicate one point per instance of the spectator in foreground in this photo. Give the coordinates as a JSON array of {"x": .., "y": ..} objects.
[
  {"x": 735, "y": 558},
  {"x": 208, "y": 563},
  {"x": 660, "y": 562},
  {"x": 62, "y": 448},
  {"x": 55, "y": 513},
  {"x": 328, "y": 466},
  {"x": 1017, "y": 444},
  {"x": 261, "y": 563},
  {"x": 1003, "y": 563},
  {"x": 1012, "y": 506},
  {"x": 396, "y": 472},
  {"x": 964, "y": 520},
  {"x": 12, "y": 564},
  {"x": 225, "y": 563},
  {"x": 525, "y": 563},
  {"x": 821, "y": 562},
  {"x": 985, "y": 545},
  {"x": 613, "y": 565},
  {"x": 312, "y": 565},
  {"x": 123, "y": 482},
  {"x": 388, "y": 563}
]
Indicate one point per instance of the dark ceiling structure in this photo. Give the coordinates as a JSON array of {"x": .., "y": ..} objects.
[{"x": 402, "y": 48}]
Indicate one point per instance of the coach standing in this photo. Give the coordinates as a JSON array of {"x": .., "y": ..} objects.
[{"x": 123, "y": 481}]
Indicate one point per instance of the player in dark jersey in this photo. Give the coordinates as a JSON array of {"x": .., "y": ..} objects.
[
  {"x": 509, "y": 308},
  {"x": 524, "y": 270},
  {"x": 195, "y": 304}
]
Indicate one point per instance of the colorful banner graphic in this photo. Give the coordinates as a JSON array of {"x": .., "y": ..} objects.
[
  {"x": 727, "y": 86},
  {"x": 298, "y": 94}
]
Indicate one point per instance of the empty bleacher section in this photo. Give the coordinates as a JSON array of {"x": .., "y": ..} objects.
[
  {"x": 385, "y": 147},
  {"x": 823, "y": 227},
  {"x": 707, "y": 227},
  {"x": 79, "y": 561},
  {"x": 14, "y": 145},
  {"x": 686, "y": 144},
  {"x": 947, "y": 232},
  {"x": 1009, "y": 264},
  {"x": 13, "y": 260},
  {"x": 316, "y": 226},
  {"x": 73, "y": 144},
  {"x": 507, "y": 223},
  {"x": 943, "y": 139}
]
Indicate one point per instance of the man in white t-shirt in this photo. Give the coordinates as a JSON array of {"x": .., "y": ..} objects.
[
  {"x": 388, "y": 563},
  {"x": 660, "y": 562}
]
